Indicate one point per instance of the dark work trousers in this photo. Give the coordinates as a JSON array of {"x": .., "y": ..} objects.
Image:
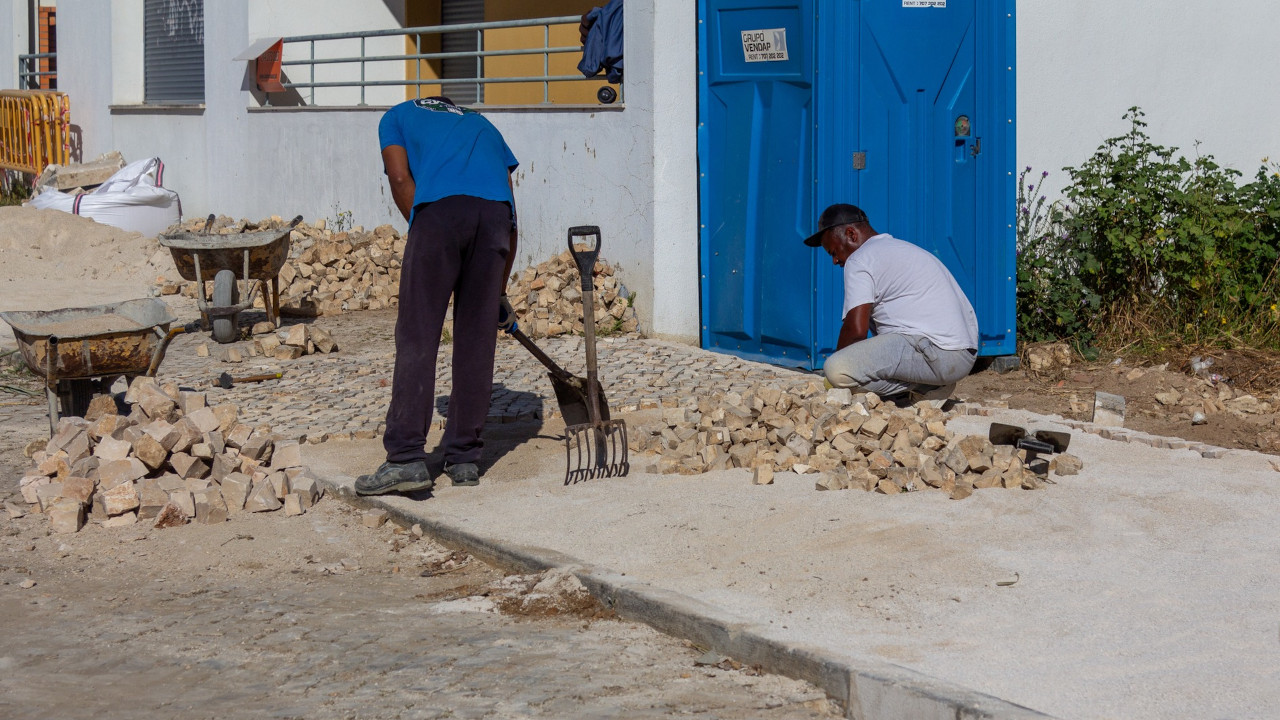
[{"x": 458, "y": 247}]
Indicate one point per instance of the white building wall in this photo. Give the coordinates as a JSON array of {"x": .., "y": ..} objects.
[
  {"x": 13, "y": 40},
  {"x": 578, "y": 166},
  {"x": 1081, "y": 63},
  {"x": 1200, "y": 71}
]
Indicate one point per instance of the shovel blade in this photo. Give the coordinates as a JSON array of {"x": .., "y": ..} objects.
[
  {"x": 575, "y": 404},
  {"x": 595, "y": 450}
]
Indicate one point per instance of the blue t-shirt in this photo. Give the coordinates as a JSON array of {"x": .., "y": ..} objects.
[{"x": 452, "y": 151}]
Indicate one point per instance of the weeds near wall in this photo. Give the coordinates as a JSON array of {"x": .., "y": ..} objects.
[
  {"x": 1148, "y": 248},
  {"x": 14, "y": 190}
]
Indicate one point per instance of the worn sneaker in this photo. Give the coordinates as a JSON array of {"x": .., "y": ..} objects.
[
  {"x": 396, "y": 477},
  {"x": 463, "y": 473},
  {"x": 937, "y": 395}
]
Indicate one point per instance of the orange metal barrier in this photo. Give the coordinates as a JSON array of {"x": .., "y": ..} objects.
[{"x": 35, "y": 130}]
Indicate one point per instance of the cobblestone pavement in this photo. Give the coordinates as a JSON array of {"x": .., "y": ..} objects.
[{"x": 344, "y": 395}]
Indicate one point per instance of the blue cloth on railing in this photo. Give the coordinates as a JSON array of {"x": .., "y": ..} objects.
[{"x": 603, "y": 49}]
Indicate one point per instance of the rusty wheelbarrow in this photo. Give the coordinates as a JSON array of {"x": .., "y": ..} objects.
[
  {"x": 258, "y": 256},
  {"x": 82, "y": 351}
]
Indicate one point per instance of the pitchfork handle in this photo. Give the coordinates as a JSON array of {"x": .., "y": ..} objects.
[{"x": 586, "y": 261}]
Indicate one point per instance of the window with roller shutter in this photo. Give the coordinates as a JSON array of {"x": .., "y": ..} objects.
[{"x": 174, "y": 52}]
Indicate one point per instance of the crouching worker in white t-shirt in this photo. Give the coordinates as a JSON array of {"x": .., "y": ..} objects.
[{"x": 925, "y": 331}]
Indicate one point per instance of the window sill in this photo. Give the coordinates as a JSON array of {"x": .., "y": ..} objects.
[
  {"x": 156, "y": 109},
  {"x": 480, "y": 108}
]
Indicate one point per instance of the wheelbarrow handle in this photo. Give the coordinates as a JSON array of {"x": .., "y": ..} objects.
[
  {"x": 157, "y": 357},
  {"x": 585, "y": 258}
]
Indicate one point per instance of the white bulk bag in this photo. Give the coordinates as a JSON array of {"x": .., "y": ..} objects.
[{"x": 132, "y": 199}]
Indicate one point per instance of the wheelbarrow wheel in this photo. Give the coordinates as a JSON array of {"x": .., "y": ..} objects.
[{"x": 225, "y": 294}]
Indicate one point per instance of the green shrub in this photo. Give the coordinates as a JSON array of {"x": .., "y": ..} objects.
[{"x": 1147, "y": 245}]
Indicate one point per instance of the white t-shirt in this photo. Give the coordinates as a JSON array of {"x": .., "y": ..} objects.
[{"x": 910, "y": 292}]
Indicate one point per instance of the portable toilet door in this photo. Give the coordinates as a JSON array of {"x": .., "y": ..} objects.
[{"x": 903, "y": 107}]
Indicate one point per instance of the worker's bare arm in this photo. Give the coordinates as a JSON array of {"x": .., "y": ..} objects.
[
  {"x": 395, "y": 161},
  {"x": 515, "y": 237},
  {"x": 855, "y": 326}
]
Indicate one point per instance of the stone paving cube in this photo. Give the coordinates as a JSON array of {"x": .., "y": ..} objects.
[
  {"x": 118, "y": 472},
  {"x": 185, "y": 502},
  {"x": 163, "y": 432},
  {"x": 120, "y": 498},
  {"x": 29, "y": 485},
  {"x": 79, "y": 489},
  {"x": 374, "y": 517},
  {"x": 151, "y": 498},
  {"x": 100, "y": 406},
  {"x": 210, "y": 507},
  {"x": 286, "y": 455},
  {"x": 205, "y": 419},
  {"x": 109, "y": 449},
  {"x": 239, "y": 435},
  {"x": 259, "y": 448},
  {"x": 262, "y": 498},
  {"x": 227, "y": 414},
  {"x": 307, "y": 488},
  {"x": 190, "y": 402},
  {"x": 67, "y": 516},
  {"x": 171, "y": 515},
  {"x": 149, "y": 451},
  {"x": 235, "y": 488},
  {"x": 293, "y": 505},
  {"x": 187, "y": 466},
  {"x": 47, "y": 495},
  {"x": 188, "y": 434},
  {"x": 123, "y": 520}
]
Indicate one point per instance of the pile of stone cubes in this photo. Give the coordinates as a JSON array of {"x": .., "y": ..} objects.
[
  {"x": 172, "y": 459},
  {"x": 288, "y": 343},
  {"x": 848, "y": 440},
  {"x": 548, "y": 299},
  {"x": 329, "y": 271}
]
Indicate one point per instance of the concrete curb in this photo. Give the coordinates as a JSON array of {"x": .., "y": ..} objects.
[{"x": 867, "y": 688}]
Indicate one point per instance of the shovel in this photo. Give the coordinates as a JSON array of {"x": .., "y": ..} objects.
[{"x": 571, "y": 391}]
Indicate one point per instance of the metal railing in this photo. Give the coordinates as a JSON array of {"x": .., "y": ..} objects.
[
  {"x": 29, "y": 72},
  {"x": 35, "y": 129},
  {"x": 417, "y": 57}
]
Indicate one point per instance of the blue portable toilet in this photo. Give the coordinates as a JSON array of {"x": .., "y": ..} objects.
[{"x": 902, "y": 107}]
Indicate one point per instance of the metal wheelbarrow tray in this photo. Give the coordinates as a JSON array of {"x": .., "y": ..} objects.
[
  {"x": 225, "y": 259},
  {"x": 72, "y": 347}
]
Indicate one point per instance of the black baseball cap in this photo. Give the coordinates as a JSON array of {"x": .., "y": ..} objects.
[{"x": 835, "y": 216}]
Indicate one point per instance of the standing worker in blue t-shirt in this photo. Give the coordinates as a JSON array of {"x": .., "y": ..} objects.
[{"x": 450, "y": 175}]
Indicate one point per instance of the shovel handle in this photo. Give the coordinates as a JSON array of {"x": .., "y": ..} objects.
[{"x": 542, "y": 357}]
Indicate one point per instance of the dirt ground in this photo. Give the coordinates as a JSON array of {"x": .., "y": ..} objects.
[{"x": 1233, "y": 377}]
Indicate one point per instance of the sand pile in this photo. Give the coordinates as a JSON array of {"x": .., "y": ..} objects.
[{"x": 53, "y": 260}]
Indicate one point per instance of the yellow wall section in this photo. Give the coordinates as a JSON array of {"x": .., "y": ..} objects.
[
  {"x": 526, "y": 65},
  {"x": 427, "y": 12},
  {"x": 421, "y": 13}
]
